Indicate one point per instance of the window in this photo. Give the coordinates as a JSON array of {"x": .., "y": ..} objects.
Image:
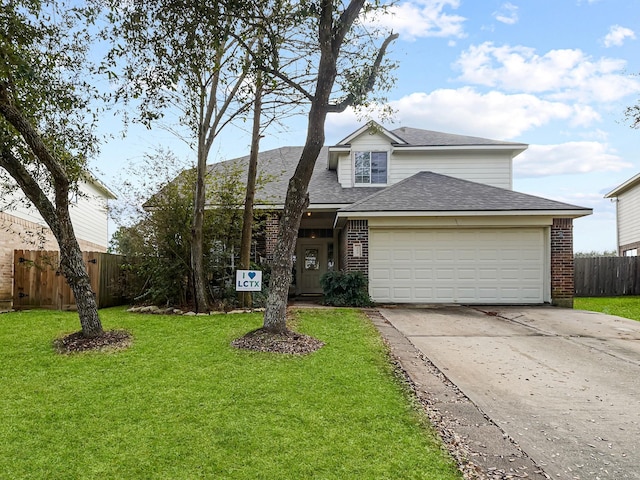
[{"x": 370, "y": 167}]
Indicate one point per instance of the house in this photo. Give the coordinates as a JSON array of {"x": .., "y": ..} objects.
[
  {"x": 627, "y": 198},
  {"x": 428, "y": 217},
  {"x": 22, "y": 228}
]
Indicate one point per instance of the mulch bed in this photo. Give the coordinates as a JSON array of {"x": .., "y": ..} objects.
[
  {"x": 109, "y": 341},
  {"x": 286, "y": 342}
]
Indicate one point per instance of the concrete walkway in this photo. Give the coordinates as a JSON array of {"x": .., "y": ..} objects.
[{"x": 564, "y": 384}]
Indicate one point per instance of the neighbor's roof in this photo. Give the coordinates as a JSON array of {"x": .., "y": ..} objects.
[
  {"x": 632, "y": 182},
  {"x": 432, "y": 192},
  {"x": 91, "y": 178}
]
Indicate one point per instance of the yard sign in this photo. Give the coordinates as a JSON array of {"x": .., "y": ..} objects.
[{"x": 248, "y": 280}]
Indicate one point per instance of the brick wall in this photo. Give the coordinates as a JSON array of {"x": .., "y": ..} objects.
[
  {"x": 19, "y": 234},
  {"x": 271, "y": 235},
  {"x": 562, "y": 285},
  {"x": 357, "y": 232}
]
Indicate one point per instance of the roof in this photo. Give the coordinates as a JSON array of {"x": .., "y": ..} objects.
[
  {"x": 432, "y": 192},
  {"x": 279, "y": 165},
  {"x": 410, "y": 139},
  {"x": 91, "y": 178},
  {"x": 629, "y": 184},
  {"x": 429, "y": 138}
]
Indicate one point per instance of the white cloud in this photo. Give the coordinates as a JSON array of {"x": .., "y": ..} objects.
[
  {"x": 567, "y": 158},
  {"x": 468, "y": 112},
  {"x": 422, "y": 18},
  {"x": 617, "y": 36},
  {"x": 508, "y": 14},
  {"x": 566, "y": 74},
  {"x": 465, "y": 111}
]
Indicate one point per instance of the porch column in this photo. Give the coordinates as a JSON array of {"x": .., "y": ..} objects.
[
  {"x": 357, "y": 247},
  {"x": 562, "y": 282}
]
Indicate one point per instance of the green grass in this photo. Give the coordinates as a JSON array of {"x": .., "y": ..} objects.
[
  {"x": 182, "y": 404},
  {"x": 628, "y": 307}
]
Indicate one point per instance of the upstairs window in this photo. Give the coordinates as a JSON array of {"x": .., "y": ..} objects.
[{"x": 370, "y": 168}]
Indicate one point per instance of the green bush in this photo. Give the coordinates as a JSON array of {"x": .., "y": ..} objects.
[{"x": 345, "y": 289}]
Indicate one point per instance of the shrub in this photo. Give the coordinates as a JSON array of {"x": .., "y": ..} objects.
[{"x": 345, "y": 289}]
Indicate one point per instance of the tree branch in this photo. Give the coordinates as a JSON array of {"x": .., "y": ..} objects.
[
  {"x": 15, "y": 117},
  {"x": 347, "y": 18},
  {"x": 371, "y": 80},
  {"x": 30, "y": 187}
]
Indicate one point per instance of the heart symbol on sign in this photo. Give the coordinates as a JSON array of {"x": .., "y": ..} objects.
[{"x": 252, "y": 275}]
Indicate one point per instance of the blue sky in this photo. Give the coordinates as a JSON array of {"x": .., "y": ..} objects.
[{"x": 556, "y": 75}]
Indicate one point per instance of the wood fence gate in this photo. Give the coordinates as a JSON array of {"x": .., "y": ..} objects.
[{"x": 38, "y": 283}]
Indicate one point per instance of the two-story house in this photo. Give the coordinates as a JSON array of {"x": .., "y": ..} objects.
[
  {"x": 428, "y": 217},
  {"x": 627, "y": 198},
  {"x": 22, "y": 228}
]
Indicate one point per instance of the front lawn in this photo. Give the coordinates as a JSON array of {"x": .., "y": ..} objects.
[
  {"x": 181, "y": 403},
  {"x": 628, "y": 306}
]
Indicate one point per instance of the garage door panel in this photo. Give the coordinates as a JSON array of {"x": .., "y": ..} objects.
[
  {"x": 402, "y": 274},
  {"x": 423, "y": 274},
  {"x": 380, "y": 274},
  {"x": 423, "y": 254},
  {"x": 445, "y": 273},
  {"x": 403, "y": 294},
  {"x": 499, "y": 265}
]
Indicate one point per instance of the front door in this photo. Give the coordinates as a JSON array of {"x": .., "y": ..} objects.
[{"x": 311, "y": 265}]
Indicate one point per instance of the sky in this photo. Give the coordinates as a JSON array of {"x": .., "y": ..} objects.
[{"x": 554, "y": 74}]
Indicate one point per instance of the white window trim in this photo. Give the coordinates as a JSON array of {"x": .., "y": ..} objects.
[{"x": 370, "y": 150}]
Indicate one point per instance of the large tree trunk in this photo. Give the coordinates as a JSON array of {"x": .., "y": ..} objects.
[
  {"x": 197, "y": 240},
  {"x": 75, "y": 273},
  {"x": 275, "y": 315}
]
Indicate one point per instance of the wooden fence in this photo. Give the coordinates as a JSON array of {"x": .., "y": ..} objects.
[
  {"x": 37, "y": 282},
  {"x": 607, "y": 276}
]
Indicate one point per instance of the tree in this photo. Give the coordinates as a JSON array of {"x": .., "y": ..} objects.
[
  {"x": 331, "y": 29},
  {"x": 252, "y": 175},
  {"x": 183, "y": 56},
  {"x": 46, "y": 124},
  {"x": 155, "y": 232}
]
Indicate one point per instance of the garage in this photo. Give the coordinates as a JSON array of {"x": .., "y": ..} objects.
[{"x": 454, "y": 265}]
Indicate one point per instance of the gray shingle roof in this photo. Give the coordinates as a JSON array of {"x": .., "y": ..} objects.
[
  {"x": 279, "y": 165},
  {"x": 432, "y": 192},
  {"x": 429, "y": 138}
]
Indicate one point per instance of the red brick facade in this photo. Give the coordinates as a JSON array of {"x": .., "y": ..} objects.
[
  {"x": 356, "y": 233},
  {"x": 562, "y": 284},
  {"x": 272, "y": 225}
]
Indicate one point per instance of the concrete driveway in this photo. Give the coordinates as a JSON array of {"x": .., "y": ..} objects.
[{"x": 565, "y": 384}]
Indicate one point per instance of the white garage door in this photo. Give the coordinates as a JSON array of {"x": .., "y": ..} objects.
[{"x": 457, "y": 266}]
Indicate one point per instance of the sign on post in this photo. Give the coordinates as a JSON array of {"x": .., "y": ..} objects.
[{"x": 248, "y": 280}]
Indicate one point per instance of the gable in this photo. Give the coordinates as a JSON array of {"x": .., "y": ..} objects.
[{"x": 411, "y": 150}]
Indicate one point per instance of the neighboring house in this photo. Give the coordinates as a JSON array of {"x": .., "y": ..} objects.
[
  {"x": 22, "y": 228},
  {"x": 627, "y": 197},
  {"x": 428, "y": 217}
]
